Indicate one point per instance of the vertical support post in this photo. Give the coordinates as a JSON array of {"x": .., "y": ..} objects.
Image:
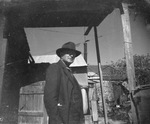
[
  {"x": 100, "y": 75},
  {"x": 12, "y": 67},
  {"x": 85, "y": 51},
  {"x": 3, "y": 44},
  {"x": 129, "y": 56}
]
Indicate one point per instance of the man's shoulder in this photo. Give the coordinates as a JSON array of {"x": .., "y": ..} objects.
[
  {"x": 56, "y": 65},
  {"x": 53, "y": 68}
]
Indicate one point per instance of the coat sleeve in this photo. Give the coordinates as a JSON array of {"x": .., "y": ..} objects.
[{"x": 51, "y": 92}]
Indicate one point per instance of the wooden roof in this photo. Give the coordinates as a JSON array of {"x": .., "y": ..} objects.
[
  {"x": 109, "y": 73},
  {"x": 65, "y": 13},
  {"x": 58, "y": 13},
  {"x": 79, "y": 61}
]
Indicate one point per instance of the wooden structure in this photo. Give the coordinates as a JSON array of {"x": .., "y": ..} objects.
[
  {"x": 31, "y": 106},
  {"x": 15, "y": 71},
  {"x": 15, "y": 15},
  {"x": 129, "y": 57}
]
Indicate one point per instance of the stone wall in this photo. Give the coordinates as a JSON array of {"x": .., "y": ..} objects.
[{"x": 108, "y": 95}]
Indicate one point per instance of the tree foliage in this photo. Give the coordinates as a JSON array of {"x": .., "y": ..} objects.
[{"x": 141, "y": 65}]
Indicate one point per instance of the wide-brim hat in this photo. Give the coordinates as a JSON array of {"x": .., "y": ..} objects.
[{"x": 68, "y": 46}]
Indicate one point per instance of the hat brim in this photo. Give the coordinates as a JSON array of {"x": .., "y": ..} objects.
[{"x": 58, "y": 51}]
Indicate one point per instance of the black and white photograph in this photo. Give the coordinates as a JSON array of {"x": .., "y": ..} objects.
[{"x": 74, "y": 61}]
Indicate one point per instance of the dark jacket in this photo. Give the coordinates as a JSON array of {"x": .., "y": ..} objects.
[{"x": 57, "y": 92}]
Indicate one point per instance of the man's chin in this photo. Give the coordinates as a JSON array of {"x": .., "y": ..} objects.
[{"x": 68, "y": 62}]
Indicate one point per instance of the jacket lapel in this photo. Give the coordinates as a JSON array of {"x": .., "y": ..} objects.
[
  {"x": 70, "y": 84},
  {"x": 68, "y": 74}
]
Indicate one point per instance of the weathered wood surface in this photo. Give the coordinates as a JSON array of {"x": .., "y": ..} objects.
[
  {"x": 129, "y": 57},
  {"x": 31, "y": 106},
  {"x": 3, "y": 43}
]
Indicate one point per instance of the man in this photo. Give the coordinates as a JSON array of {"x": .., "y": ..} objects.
[{"x": 62, "y": 93}]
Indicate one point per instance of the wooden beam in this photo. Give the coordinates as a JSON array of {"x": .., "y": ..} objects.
[
  {"x": 88, "y": 30},
  {"x": 3, "y": 43},
  {"x": 129, "y": 58},
  {"x": 128, "y": 47},
  {"x": 13, "y": 63},
  {"x": 100, "y": 75}
]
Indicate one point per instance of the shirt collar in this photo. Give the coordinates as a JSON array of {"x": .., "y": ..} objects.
[{"x": 68, "y": 68}]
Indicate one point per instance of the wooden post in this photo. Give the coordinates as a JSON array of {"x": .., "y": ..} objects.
[
  {"x": 3, "y": 43},
  {"x": 85, "y": 51},
  {"x": 100, "y": 75},
  {"x": 129, "y": 57},
  {"x": 94, "y": 104}
]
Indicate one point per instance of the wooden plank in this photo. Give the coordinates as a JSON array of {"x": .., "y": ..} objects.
[
  {"x": 35, "y": 114},
  {"x": 94, "y": 110},
  {"x": 31, "y": 106},
  {"x": 3, "y": 44},
  {"x": 30, "y": 120},
  {"x": 31, "y": 103},
  {"x": 35, "y": 88},
  {"x": 88, "y": 30},
  {"x": 45, "y": 116},
  {"x": 100, "y": 75},
  {"x": 128, "y": 47},
  {"x": 65, "y": 10},
  {"x": 129, "y": 57}
]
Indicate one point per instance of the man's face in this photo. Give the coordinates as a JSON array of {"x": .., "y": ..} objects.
[{"x": 68, "y": 56}]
